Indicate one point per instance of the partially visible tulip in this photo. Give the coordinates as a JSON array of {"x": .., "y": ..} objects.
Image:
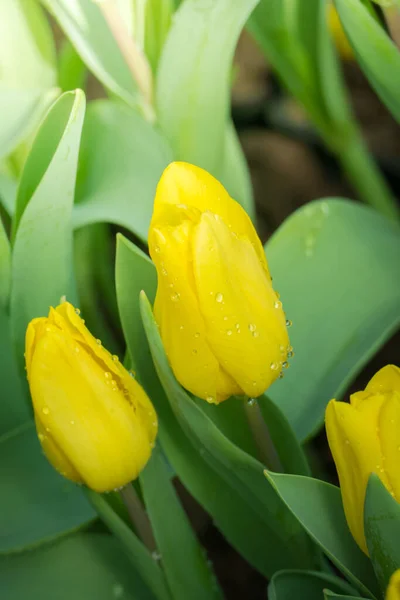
[
  {"x": 364, "y": 437},
  {"x": 339, "y": 37},
  {"x": 220, "y": 320},
  {"x": 393, "y": 590},
  {"x": 95, "y": 423}
]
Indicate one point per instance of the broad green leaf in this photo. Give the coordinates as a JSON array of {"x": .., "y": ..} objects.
[
  {"x": 234, "y": 173},
  {"x": 193, "y": 78},
  {"x": 290, "y": 452},
  {"x": 318, "y": 507},
  {"x": 5, "y": 267},
  {"x": 87, "y": 29},
  {"x": 27, "y": 52},
  {"x": 80, "y": 567},
  {"x": 307, "y": 585},
  {"x": 238, "y": 469},
  {"x": 236, "y": 519},
  {"x": 373, "y": 48},
  {"x": 14, "y": 400},
  {"x": 24, "y": 109},
  {"x": 42, "y": 253},
  {"x": 72, "y": 71},
  {"x": 183, "y": 559},
  {"x": 8, "y": 189},
  {"x": 27, "y": 70},
  {"x": 382, "y": 530},
  {"x": 328, "y": 595},
  {"x": 335, "y": 264},
  {"x": 157, "y": 21},
  {"x": 139, "y": 555},
  {"x": 37, "y": 504},
  {"x": 121, "y": 161}
]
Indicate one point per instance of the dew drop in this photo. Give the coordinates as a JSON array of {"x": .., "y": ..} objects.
[
  {"x": 115, "y": 358},
  {"x": 63, "y": 299},
  {"x": 281, "y": 375},
  {"x": 77, "y": 310},
  {"x": 252, "y": 327},
  {"x": 47, "y": 329},
  {"x": 197, "y": 334},
  {"x": 157, "y": 249},
  {"x": 181, "y": 327},
  {"x": 251, "y": 402},
  {"x": 107, "y": 374},
  {"x": 285, "y": 365},
  {"x": 132, "y": 374},
  {"x": 255, "y": 334},
  {"x": 45, "y": 410},
  {"x": 278, "y": 304},
  {"x": 210, "y": 399},
  {"x": 41, "y": 437},
  {"x": 237, "y": 326},
  {"x": 98, "y": 342},
  {"x": 225, "y": 318},
  {"x": 288, "y": 323},
  {"x": 156, "y": 555},
  {"x": 274, "y": 366},
  {"x": 77, "y": 349},
  {"x": 175, "y": 297},
  {"x": 219, "y": 297},
  {"x": 277, "y": 295},
  {"x": 194, "y": 351},
  {"x": 164, "y": 271},
  {"x": 72, "y": 422},
  {"x": 229, "y": 332}
]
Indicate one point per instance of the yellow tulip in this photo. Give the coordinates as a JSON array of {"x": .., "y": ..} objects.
[
  {"x": 220, "y": 320},
  {"x": 393, "y": 590},
  {"x": 95, "y": 423},
  {"x": 364, "y": 438},
  {"x": 338, "y": 34}
]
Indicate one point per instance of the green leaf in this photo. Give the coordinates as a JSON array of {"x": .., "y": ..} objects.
[
  {"x": 183, "y": 559},
  {"x": 382, "y": 530},
  {"x": 335, "y": 265},
  {"x": 122, "y": 158},
  {"x": 237, "y": 520},
  {"x": 72, "y": 71},
  {"x": 307, "y": 585},
  {"x": 27, "y": 71},
  {"x": 158, "y": 17},
  {"x": 14, "y": 401},
  {"x": 8, "y": 189},
  {"x": 5, "y": 266},
  {"x": 318, "y": 507},
  {"x": 37, "y": 504},
  {"x": 86, "y": 28},
  {"x": 79, "y": 567},
  {"x": 137, "y": 552},
  {"x": 42, "y": 253},
  {"x": 289, "y": 450},
  {"x": 240, "y": 470},
  {"x": 373, "y": 48},
  {"x": 193, "y": 78},
  {"x": 328, "y": 595}
]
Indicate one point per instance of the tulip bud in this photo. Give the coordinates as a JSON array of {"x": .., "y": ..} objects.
[
  {"x": 393, "y": 590},
  {"x": 95, "y": 423},
  {"x": 221, "y": 322},
  {"x": 364, "y": 438},
  {"x": 339, "y": 37}
]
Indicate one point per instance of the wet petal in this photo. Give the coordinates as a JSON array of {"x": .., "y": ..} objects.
[{"x": 385, "y": 380}]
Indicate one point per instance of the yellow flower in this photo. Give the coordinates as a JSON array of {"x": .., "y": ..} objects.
[
  {"x": 221, "y": 322},
  {"x": 338, "y": 34},
  {"x": 393, "y": 590},
  {"x": 95, "y": 423},
  {"x": 364, "y": 437}
]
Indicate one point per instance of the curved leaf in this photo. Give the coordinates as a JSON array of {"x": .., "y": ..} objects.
[
  {"x": 42, "y": 253},
  {"x": 335, "y": 264},
  {"x": 287, "y": 585}
]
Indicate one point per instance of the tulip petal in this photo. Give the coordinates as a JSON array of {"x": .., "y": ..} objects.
[
  {"x": 184, "y": 184},
  {"x": 245, "y": 323},
  {"x": 30, "y": 340},
  {"x": 54, "y": 455},
  {"x": 355, "y": 447},
  {"x": 385, "y": 380},
  {"x": 178, "y": 316},
  {"x": 389, "y": 426},
  {"x": 88, "y": 411},
  {"x": 393, "y": 590}
]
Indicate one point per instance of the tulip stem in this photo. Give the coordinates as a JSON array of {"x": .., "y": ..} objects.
[
  {"x": 138, "y": 516},
  {"x": 262, "y": 437}
]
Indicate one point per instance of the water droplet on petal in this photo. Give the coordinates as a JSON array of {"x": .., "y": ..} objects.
[
  {"x": 274, "y": 366},
  {"x": 115, "y": 358},
  {"x": 157, "y": 249},
  {"x": 288, "y": 323},
  {"x": 219, "y": 297},
  {"x": 194, "y": 351},
  {"x": 45, "y": 410},
  {"x": 175, "y": 297},
  {"x": 181, "y": 327},
  {"x": 197, "y": 334},
  {"x": 164, "y": 272},
  {"x": 77, "y": 349},
  {"x": 107, "y": 374},
  {"x": 281, "y": 375},
  {"x": 78, "y": 312},
  {"x": 210, "y": 399},
  {"x": 98, "y": 342},
  {"x": 252, "y": 327},
  {"x": 156, "y": 555},
  {"x": 132, "y": 374},
  {"x": 278, "y": 304},
  {"x": 229, "y": 332},
  {"x": 285, "y": 365},
  {"x": 255, "y": 334},
  {"x": 72, "y": 422},
  {"x": 41, "y": 437},
  {"x": 251, "y": 401}
]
